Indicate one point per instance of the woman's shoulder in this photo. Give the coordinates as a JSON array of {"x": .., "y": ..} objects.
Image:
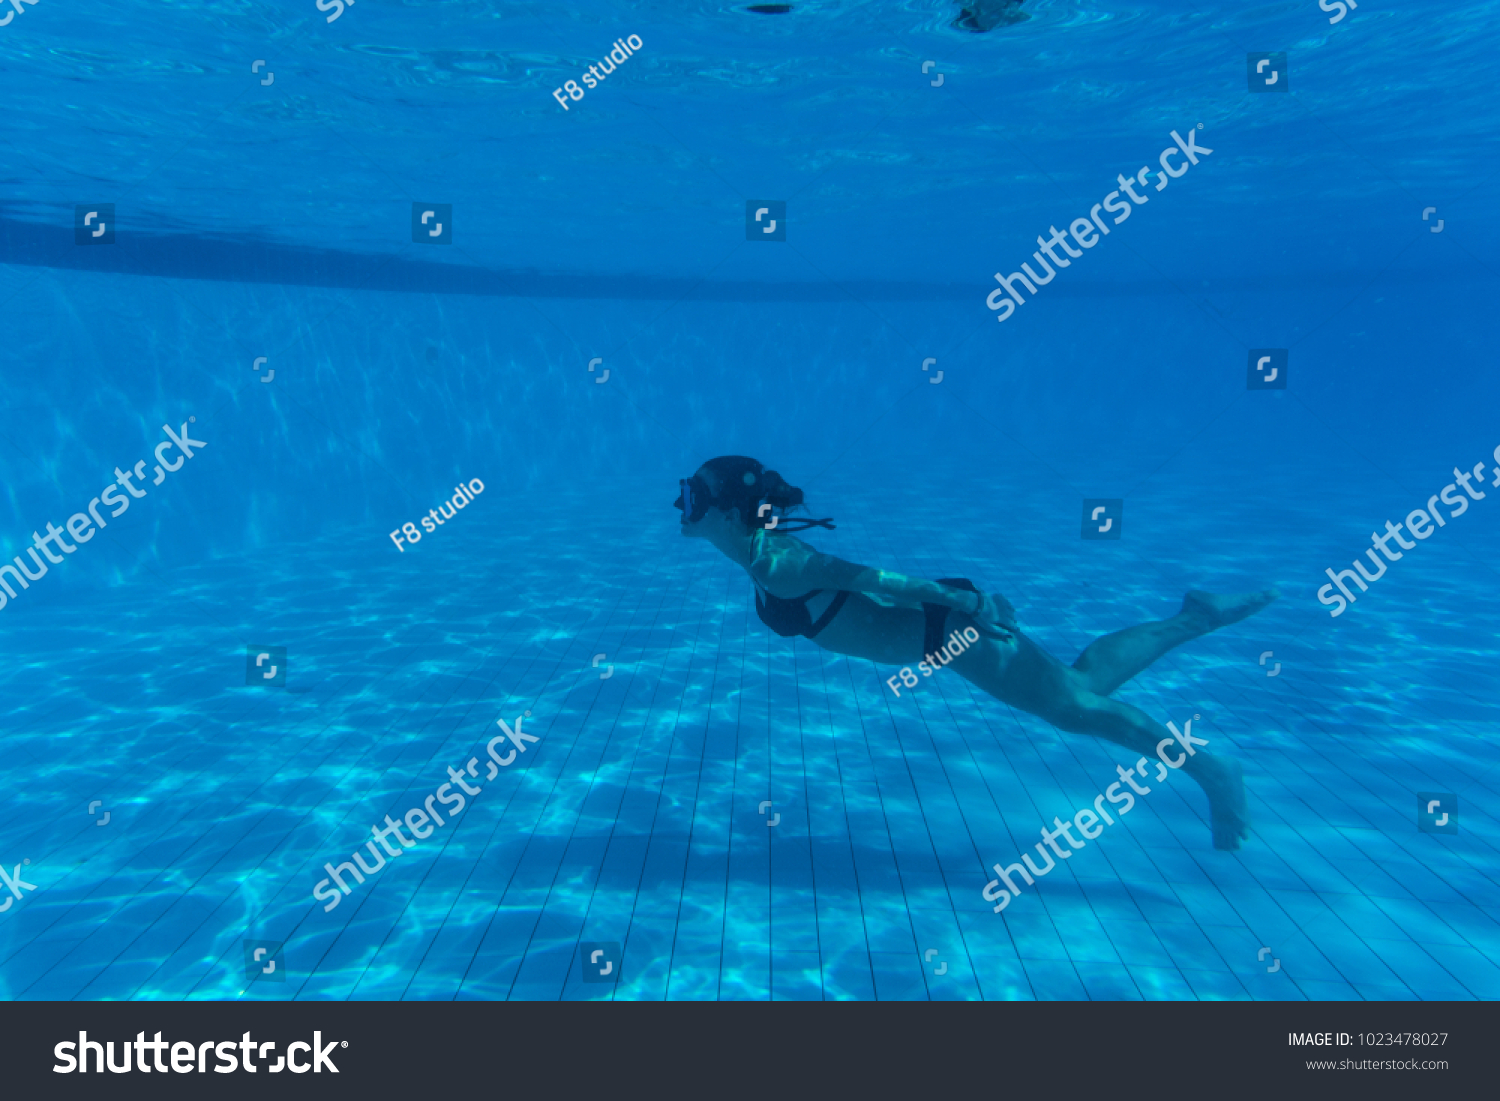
[
  {"x": 770, "y": 542},
  {"x": 773, "y": 553}
]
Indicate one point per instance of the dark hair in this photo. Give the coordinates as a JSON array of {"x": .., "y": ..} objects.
[{"x": 745, "y": 485}]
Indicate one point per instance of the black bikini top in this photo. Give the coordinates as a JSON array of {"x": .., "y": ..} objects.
[{"x": 790, "y": 618}]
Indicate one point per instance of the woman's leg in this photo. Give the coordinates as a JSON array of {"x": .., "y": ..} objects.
[
  {"x": 1221, "y": 778},
  {"x": 1112, "y": 660},
  {"x": 1034, "y": 681}
]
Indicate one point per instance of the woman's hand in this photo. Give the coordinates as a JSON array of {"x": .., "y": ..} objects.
[{"x": 994, "y": 616}]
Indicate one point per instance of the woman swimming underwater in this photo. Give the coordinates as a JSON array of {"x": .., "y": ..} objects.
[{"x": 895, "y": 620}]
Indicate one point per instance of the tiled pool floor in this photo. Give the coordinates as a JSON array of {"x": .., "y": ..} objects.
[{"x": 636, "y": 818}]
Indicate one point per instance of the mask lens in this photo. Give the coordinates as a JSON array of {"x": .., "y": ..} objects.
[{"x": 695, "y": 498}]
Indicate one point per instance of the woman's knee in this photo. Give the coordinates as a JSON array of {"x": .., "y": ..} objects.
[
  {"x": 1088, "y": 713},
  {"x": 1077, "y": 711}
]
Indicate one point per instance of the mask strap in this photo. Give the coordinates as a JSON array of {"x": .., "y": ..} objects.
[{"x": 786, "y": 525}]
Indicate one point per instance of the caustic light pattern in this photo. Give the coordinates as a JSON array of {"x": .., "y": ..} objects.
[{"x": 780, "y": 773}]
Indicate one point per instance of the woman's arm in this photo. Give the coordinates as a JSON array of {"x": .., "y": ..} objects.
[{"x": 788, "y": 567}]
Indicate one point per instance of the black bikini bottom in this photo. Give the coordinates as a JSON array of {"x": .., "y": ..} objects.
[{"x": 937, "y": 615}]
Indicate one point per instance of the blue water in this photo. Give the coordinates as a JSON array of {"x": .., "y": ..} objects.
[{"x": 275, "y": 220}]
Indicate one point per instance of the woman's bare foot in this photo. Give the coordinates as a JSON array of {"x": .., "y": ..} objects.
[
  {"x": 1220, "y": 611},
  {"x": 1223, "y": 781}
]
